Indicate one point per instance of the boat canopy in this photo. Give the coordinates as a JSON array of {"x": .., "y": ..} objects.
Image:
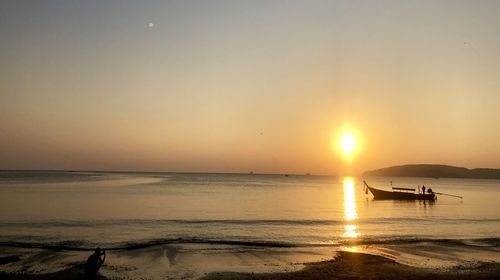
[{"x": 403, "y": 189}]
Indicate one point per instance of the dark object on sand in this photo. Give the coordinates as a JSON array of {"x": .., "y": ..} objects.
[
  {"x": 399, "y": 194},
  {"x": 94, "y": 263},
  {"x": 9, "y": 259}
]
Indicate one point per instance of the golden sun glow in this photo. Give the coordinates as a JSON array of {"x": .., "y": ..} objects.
[{"x": 347, "y": 143}]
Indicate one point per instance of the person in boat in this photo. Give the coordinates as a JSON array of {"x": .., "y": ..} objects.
[
  {"x": 429, "y": 190},
  {"x": 423, "y": 189},
  {"x": 94, "y": 263}
]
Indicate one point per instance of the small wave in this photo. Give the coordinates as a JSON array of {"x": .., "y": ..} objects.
[
  {"x": 131, "y": 222},
  {"x": 245, "y": 243},
  {"x": 479, "y": 242},
  {"x": 78, "y": 245},
  {"x": 242, "y": 222},
  {"x": 433, "y": 220},
  {"x": 261, "y": 222},
  {"x": 70, "y": 245}
]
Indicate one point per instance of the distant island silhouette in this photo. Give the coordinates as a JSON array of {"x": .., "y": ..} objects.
[{"x": 435, "y": 171}]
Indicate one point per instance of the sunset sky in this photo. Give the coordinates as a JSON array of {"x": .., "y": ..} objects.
[{"x": 240, "y": 86}]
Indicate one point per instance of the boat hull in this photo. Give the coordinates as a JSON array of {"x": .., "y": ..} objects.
[{"x": 386, "y": 195}]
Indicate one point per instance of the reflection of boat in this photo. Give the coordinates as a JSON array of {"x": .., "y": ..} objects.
[{"x": 399, "y": 194}]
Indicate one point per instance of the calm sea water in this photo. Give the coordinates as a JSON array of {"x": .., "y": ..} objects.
[{"x": 78, "y": 211}]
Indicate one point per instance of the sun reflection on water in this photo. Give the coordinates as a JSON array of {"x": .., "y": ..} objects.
[{"x": 350, "y": 213}]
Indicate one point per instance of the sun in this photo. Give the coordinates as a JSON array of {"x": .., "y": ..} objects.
[{"x": 347, "y": 143}]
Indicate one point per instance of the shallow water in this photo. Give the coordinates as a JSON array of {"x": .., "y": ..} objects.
[{"x": 306, "y": 216}]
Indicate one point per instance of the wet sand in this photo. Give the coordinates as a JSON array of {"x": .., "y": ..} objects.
[
  {"x": 75, "y": 272},
  {"x": 347, "y": 265}
]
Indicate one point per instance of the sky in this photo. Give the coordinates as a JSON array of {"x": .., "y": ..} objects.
[{"x": 240, "y": 86}]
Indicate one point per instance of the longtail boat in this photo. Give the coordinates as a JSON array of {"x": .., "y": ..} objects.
[{"x": 400, "y": 194}]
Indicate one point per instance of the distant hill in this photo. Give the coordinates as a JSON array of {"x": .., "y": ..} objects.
[{"x": 435, "y": 171}]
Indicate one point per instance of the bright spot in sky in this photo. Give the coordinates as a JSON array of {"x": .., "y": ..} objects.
[
  {"x": 347, "y": 143},
  {"x": 151, "y": 25}
]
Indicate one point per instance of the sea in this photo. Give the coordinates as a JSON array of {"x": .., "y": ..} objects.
[{"x": 184, "y": 225}]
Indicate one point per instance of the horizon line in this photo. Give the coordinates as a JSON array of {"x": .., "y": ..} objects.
[{"x": 182, "y": 172}]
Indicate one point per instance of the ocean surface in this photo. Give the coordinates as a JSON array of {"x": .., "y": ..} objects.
[{"x": 240, "y": 216}]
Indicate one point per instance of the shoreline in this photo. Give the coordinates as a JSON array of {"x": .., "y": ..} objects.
[
  {"x": 346, "y": 265},
  {"x": 353, "y": 265}
]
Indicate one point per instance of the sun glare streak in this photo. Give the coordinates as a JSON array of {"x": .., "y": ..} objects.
[
  {"x": 349, "y": 200},
  {"x": 353, "y": 249},
  {"x": 350, "y": 231},
  {"x": 350, "y": 212}
]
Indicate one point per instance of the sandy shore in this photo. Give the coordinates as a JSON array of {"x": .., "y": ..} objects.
[
  {"x": 352, "y": 266},
  {"x": 346, "y": 265},
  {"x": 75, "y": 272}
]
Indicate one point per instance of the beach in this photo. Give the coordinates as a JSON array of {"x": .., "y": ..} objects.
[
  {"x": 346, "y": 265},
  {"x": 349, "y": 265}
]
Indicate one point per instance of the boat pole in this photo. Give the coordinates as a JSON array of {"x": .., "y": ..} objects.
[{"x": 449, "y": 195}]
